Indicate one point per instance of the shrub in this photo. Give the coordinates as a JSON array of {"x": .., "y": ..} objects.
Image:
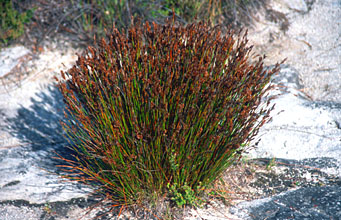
[
  {"x": 224, "y": 12},
  {"x": 12, "y": 21},
  {"x": 92, "y": 17},
  {"x": 164, "y": 109}
]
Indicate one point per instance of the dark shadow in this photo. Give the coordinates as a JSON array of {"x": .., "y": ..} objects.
[
  {"x": 312, "y": 164},
  {"x": 310, "y": 172},
  {"x": 302, "y": 203},
  {"x": 39, "y": 130},
  {"x": 42, "y": 138}
]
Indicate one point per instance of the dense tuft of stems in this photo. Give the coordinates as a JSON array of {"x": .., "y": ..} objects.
[{"x": 164, "y": 105}]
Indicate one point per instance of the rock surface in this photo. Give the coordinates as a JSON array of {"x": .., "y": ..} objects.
[
  {"x": 10, "y": 57},
  {"x": 301, "y": 128},
  {"x": 306, "y": 122},
  {"x": 307, "y": 33},
  {"x": 304, "y": 203},
  {"x": 305, "y": 130}
]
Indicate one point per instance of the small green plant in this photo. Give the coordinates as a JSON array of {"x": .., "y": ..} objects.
[
  {"x": 297, "y": 183},
  {"x": 12, "y": 21},
  {"x": 163, "y": 110},
  {"x": 271, "y": 164},
  {"x": 47, "y": 208},
  {"x": 184, "y": 195}
]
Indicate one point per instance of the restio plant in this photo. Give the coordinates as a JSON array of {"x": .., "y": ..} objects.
[{"x": 162, "y": 110}]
